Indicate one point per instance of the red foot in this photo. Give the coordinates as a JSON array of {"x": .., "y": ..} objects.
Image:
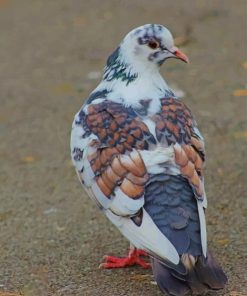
[{"x": 133, "y": 258}]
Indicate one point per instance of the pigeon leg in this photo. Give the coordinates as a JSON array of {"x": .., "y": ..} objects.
[{"x": 133, "y": 258}]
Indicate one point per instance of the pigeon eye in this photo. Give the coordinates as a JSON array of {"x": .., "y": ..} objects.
[{"x": 153, "y": 44}]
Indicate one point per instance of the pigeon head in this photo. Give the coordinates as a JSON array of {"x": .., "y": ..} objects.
[
  {"x": 144, "y": 48},
  {"x": 151, "y": 44}
]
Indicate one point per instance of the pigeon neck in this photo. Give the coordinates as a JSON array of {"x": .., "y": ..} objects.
[
  {"x": 129, "y": 81},
  {"x": 126, "y": 68},
  {"x": 117, "y": 69}
]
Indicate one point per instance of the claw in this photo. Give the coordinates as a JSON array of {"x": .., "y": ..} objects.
[{"x": 133, "y": 258}]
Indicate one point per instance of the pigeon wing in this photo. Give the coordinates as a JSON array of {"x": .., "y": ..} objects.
[
  {"x": 176, "y": 126},
  {"x": 106, "y": 142}
]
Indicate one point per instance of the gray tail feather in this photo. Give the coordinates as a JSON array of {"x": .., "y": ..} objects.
[{"x": 205, "y": 275}]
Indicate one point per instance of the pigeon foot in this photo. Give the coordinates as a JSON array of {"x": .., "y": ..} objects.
[{"x": 133, "y": 258}]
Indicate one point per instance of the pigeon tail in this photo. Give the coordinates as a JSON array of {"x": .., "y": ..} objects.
[{"x": 205, "y": 275}]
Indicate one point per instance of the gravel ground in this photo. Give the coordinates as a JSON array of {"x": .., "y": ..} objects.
[{"x": 52, "y": 237}]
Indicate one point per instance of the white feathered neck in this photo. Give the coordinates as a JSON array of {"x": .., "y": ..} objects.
[{"x": 129, "y": 81}]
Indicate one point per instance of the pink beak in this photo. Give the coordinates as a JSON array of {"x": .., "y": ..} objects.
[{"x": 179, "y": 54}]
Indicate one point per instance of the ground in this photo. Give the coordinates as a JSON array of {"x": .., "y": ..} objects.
[{"x": 52, "y": 237}]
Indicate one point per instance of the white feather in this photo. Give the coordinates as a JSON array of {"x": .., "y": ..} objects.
[
  {"x": 99, "y": 196},
  {"x": 124, "y": 205},
  {"x": 151, "y": 126},
  {"x": 147, "y": 236},
  {"x": 87, "y": 174},
  {"x": 147, "y": 85},
  {"x": 205, "y": 201},
  {"x": 202, "y": 227},
  {"x": 158, "y": 156}
]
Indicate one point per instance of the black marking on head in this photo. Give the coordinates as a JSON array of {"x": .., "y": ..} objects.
[
  {"x": 153, "y": 56},
  {"x": 137, "y": 31},
  {"x": 162, "y": 46},
  {"x": 160, "y": 63},
  {"x": 150, "y": 33},
  {"x": 160, "y": 27},
  {"x": 147, "y": 38},
  {"x": 142, "y": 40}
]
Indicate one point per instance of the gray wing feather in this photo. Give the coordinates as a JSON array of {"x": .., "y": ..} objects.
[{"x": 170, "y": 202}]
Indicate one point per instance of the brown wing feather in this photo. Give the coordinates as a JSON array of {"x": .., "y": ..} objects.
[
  {"x": 175, "y": 125},
  {"x": 116, "y": 162}
]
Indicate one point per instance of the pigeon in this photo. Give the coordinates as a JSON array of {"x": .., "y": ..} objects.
[{"x": 140, "y": 156}]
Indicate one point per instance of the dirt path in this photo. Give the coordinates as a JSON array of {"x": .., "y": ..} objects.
[{"x": 52, "y": 237}]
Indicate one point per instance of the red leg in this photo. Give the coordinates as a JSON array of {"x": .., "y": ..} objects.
[{"x": 133, "y": 258}]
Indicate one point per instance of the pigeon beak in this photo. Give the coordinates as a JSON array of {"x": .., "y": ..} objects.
[{"x": 179, "y": 54}]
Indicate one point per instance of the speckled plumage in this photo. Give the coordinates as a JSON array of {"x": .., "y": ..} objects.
[{"x": 140, "y": 156}]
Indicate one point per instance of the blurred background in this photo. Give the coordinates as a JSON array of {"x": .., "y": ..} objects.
[{"x": 52, "y": 53}]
